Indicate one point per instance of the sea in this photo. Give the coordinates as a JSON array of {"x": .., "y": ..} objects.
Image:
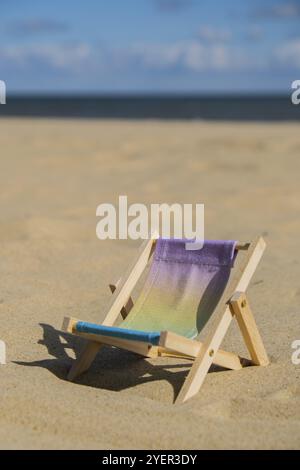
[{"x": 166, "y": 107}]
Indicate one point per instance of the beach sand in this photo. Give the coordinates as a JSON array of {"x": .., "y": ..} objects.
[{"x": 53, "y": 175}]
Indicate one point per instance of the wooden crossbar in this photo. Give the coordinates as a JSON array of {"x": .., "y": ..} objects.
[{"x": 191, "y": 348}]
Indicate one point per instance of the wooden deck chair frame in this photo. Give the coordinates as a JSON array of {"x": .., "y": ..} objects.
[{"x": 233, "y": 303}]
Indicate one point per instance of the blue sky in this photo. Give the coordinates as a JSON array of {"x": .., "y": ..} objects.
[{"x": 212, "y": 46}]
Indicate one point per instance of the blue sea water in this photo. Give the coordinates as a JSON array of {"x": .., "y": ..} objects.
[{"x": 235, "y": 108}]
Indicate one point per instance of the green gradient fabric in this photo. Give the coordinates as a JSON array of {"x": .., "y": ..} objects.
[{"x": 183, "y": 287}]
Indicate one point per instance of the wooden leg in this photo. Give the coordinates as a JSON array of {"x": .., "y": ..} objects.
[
  {"x": 205, "y": 359},
  {"x": 83, "y": 362},
  {"x": 241, "y": 309}
]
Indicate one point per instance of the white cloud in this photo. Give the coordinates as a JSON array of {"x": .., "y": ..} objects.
[
  {"x": 282, "y": 10},
  {"x": 31, "y": 26},
  {"x": 289, "y": 53},
  {"x": 155, "y": 55},
  {"x": 255, "y": 33},
  {"x": 287, "y": 10},
  {"x": 190, "y": 55},
  {"x": 60, "y": 56},
  {"x": 210, "y": 34}
]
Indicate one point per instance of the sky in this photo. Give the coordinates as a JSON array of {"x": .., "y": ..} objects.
[{"x": 149, "y": 46}]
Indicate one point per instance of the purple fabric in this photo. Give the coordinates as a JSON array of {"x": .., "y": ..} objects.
[
  {"x": 213, "y": 253},
  {"x": 183, "y": 287}
]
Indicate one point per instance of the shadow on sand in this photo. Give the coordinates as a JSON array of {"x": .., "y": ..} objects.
[{"x": 113, "y": 369}]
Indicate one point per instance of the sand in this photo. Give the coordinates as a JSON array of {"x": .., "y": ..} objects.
[{"x": 54, "y": 173}]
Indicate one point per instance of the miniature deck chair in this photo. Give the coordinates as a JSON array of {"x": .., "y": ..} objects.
[{"x": 184, "y": 289}]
